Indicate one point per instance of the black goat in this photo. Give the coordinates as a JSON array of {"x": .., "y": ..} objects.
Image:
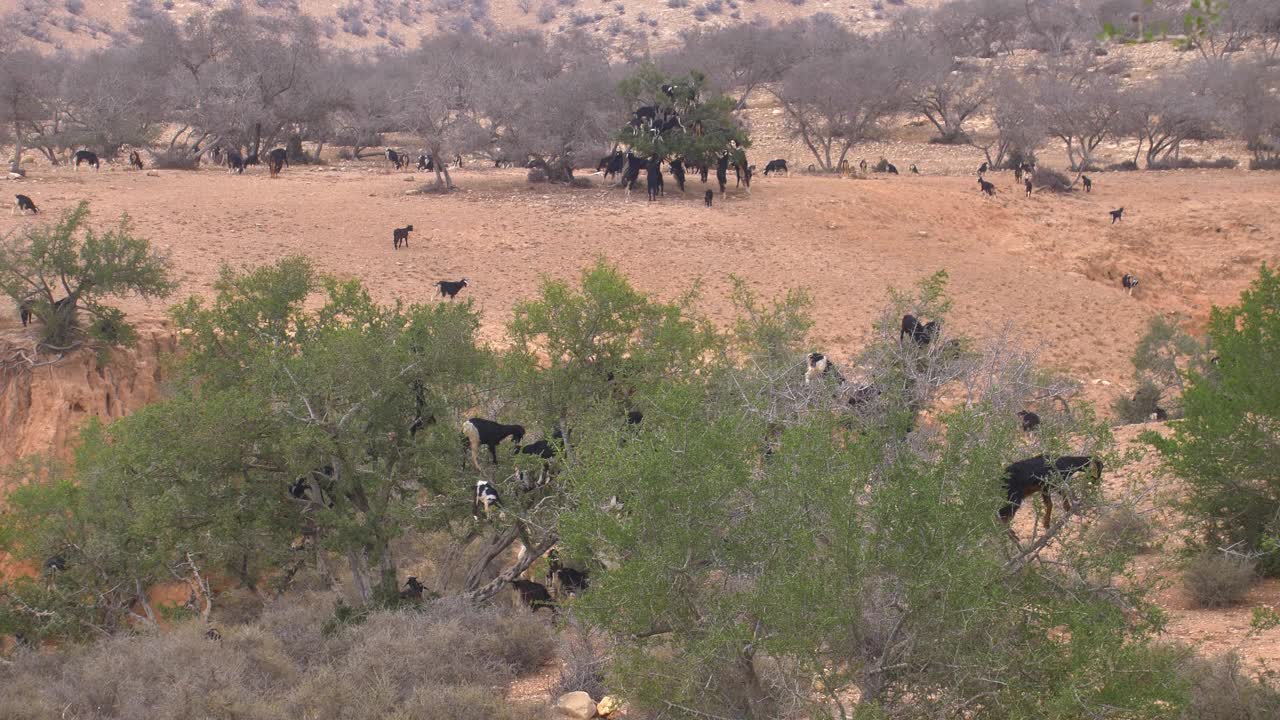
[
  {"x": 1129, "y": 282},
  {"x": 982, "y": 169},
  {"x": 677, "y": 172},
  {"x": 451, "y": 288},
  {"x": 742, "y": 174},
  {"x": 722, "y": 171},
  {"x": 235, "y": 161},
  {"x": 653, "y": 178},
  {"x": 1116, "y": 215},
  {"x": 706, "y": 199},
  {"x": 25, "y": 311},
  {"x": 135, "y": 160},
  {"x": 486, "y": 498},
  {"x": 1088, "y": 184},
  {"x": 87, "y": 156},
  {"x": 400, "y": 236},
  {"x": 22, "y": 203},
  {"x": 1030, "y": 420},
  {"x": 1028, "y": 186},
  {"x": 921, "y": 333},
  {"x": 986, "y": 187},
  {"x": 251, "y": 159},
  {"x": 478, "y": 431},
  {"x": 574, "y": 582},
  {"x": 914, "y": 170},
  {"x": 547, "y": 449},
  {"x": 534, "y": 595},
  {"x": 776, "y": 166},
  {"x": 1037, "y": 474},
  {"x": 277, "y": 160},
  {"x": 412, "y": 589}
]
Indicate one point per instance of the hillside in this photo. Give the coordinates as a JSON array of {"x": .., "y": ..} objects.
[{"x": 397, "y": 23}]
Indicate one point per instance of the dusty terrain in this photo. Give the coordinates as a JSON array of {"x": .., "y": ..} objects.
[{"x": 1048, "y": 266}]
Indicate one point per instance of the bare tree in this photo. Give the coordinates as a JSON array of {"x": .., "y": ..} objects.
[
  {"x": 1019, "y": 125},
  {"x": 834, "y": 102},
  {"x": 978, "y": 28},
  {"x": 440, "y": 107},
  {"x": 24, "y": 95},
  {"x": 949, "y": 96},
  {"x": 1055, "y": 22},
  {"x": 1081, "y": 105},
  {"x": 738, "y": 58},
  {"x": 1164, "y": 114}
]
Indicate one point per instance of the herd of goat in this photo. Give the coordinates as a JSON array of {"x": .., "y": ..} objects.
[{"x": 1021, "y": 479}]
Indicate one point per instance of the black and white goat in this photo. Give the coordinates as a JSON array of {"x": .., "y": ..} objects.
[
  {"x": 478, "y": 431},
  {"x": 1036, "y": 474}
]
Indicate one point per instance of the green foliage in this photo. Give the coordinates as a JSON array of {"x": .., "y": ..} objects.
[
  {"x": 709, "y": 126},
  {"x": 271, "y": 393},
  {"x": 1226, "y": 445},
  {"x": 74, "y": 265},
  {"x": 1144, "y": 403}
]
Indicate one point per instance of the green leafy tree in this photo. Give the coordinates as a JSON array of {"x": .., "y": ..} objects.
[
  {"x": 286, "y": 422},
  {"x": 707, "y": 125},
  {"x": 751, "y": 578},
  {"x": 61, "y": 269},
  {"x": 1226, "y": 446},
  {"x": 1160, "y": 362}
]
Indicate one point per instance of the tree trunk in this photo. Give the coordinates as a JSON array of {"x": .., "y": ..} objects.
[
  {"x": 15, "y": 165},
  {"x": 356, "y": 562}
]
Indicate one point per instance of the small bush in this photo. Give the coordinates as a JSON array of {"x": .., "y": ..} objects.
[
  {"x": 175, "y": 160},
  {"x": 677, "y": 3},
  {"x": 1265, "y": 163},
  {"x": 75, "y": 7},
  {"x": 584, "y": 657},
  {"x": 1124, "y": 529},
  {"x": 1139, "y": 408},
  {"x": 1215, "y": 580},
  {"x": 525, "y": 6},
  {"x": 700, "y": 14},
  {"x": 1126, "y": 166},
  {"x": 538, "y": 175},
  {"x": 1222, "y": 163},
  {"x": 1051, "y": 180},
  {"x": 581, "y": 182},
  {"x": 797, "y": 3},
  {"x": 715, "y": 7},
  {"x": 546, "y": 13},
  {"x": 1218, "y": 689},
  {"x": 577, "y": 18}
]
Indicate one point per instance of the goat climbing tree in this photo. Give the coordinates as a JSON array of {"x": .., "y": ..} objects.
[{"x": 690, "y": 121}]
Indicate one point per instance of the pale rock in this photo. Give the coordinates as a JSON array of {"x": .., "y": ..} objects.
[{"x": 575, "y": 706}]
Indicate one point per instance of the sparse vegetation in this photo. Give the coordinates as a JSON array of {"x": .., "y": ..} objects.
[
  {"x": 1220, "y": 689},
  {"x": 1216, "y": 579},
  {"x": 1124, "y": 529}
]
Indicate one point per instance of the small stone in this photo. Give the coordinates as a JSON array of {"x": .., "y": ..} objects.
[
  {"x": 575, "y": 706},
  {"x": 153, "y": 173},
  {"x": 607, "y": 706}
]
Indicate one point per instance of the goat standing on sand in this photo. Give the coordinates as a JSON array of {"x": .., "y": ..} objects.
[
  {"x": 1037, "y": 474},
  {"x": 87, "y": 156},
  {"x": 400, "y": 236},
  {"x": 1028, "y": 186},
  {"x": 478, "y": 431},
  {"x": 277, "y": 160},
  {"x": 22, "y": 204},
  {"x": 451, "y": 288},
  {"x": 988, "y": 188},
  {"x": 708, "y": 197},
  {"x": 1088, "y": 184},
  {"x": 1129, "y": 282},
  {"x": 1116, "y": 215}
]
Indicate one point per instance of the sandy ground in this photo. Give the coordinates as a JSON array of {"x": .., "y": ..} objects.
[{"x": 1048, "y": 265}]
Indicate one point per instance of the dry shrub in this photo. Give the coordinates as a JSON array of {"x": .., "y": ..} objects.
[
  {"x": 1051, "y": 180},
  {"x": 1124, "y": 529},
  {"x": 401, "y": 664},
  {"x": 538, "y": 175},
  {"x": 584, "y": 658},
  {"x": 1222, "y": 163},
  {"x": 580, "y": 182},
  {"x": 1139, "y": 408},
  {"x": 175, "y": 160},
  {"x": 1215, "y": 580},
  {"x": 1126, "y": 166},
  {"x": 1265, "y": 163},
  {"x": 1219, "y": 690}
]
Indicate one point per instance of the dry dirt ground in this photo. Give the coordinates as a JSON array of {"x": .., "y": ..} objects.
[{"x": 1048, "y": 266}]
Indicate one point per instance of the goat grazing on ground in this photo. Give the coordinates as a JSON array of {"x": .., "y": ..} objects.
[
  {"x": 988, "y": 188},
  {"x": 921, "y": 333},
  {"x": 87, "y": 156},
  {"x": 394, "y": 158},
  {"x": 1028, "y": 186},
  {"x": 22, "y": 204},
  {"x": 914, "y": 170},
  {"x": 451, "y": 288},
  {"x": 426, "y": 163},
  {"x": 534, "y": 595},
  {"x": 862, "y": 166},
  {"x": 1129, "y": 282},
  {"x": 776, "y": 166},
  {"x": 400, "y": 236},
  {"x": 135, "y": 160},
  {"x": 478, "y": 431},
  {"x": 1030, "y": 420},
  {"x": 485, "y": 500},
  {"x": 1037, "y": 474},
  {"x": 1088, "y": 184},
  {"x": 1116, "y": 215},
  {"x": 708, "y": 197},
  {"x": 891, "y": 168}
]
